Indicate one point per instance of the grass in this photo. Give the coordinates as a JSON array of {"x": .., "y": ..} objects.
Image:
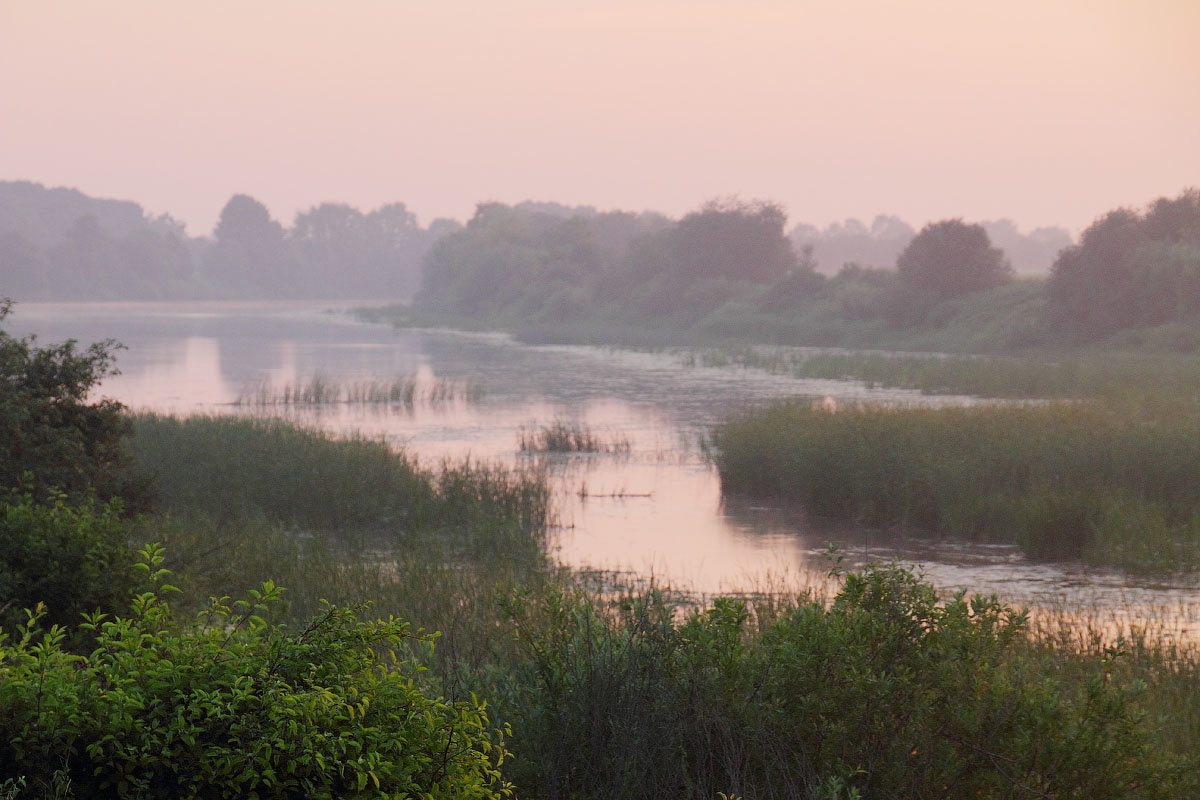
[
  {"x": 562, "y": 436},
  {"x": 1068, "y": 480},
  {"x": 405, "y": 391},
  {"x": 1110, "y": 376},
  {"x": 626, "y": 692}
]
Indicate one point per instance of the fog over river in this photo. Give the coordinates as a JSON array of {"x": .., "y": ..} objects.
[{"x": 655, "y": 510}]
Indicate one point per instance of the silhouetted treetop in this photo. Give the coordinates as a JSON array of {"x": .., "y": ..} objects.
[
  {"x": 951, "y": 258},
  {"x": 1131, "y": 269},
  {"x": 734, "y": 239}
]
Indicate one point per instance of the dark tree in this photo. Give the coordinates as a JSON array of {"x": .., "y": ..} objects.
[
  {"x": 50, "y": 434},
  {"x": 251, "y": 255},
  {"x": 951, "y": 258},
  {"x": 735, "y": 240},
  {"x": 1130, "y": 269}
]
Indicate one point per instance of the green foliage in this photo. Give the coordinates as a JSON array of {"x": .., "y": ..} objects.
[
  {"x": 1130, "y": 269},
  {"x": 946, "y": 260},
  {"x": 733, "y": 239},
  {"x": 232, "y": 705},
  {"x": 565, "y": 436},
  {"x": 886, "y": 692},
  {"x": 1063, "y": 481},
  {"x": 51, "y": 437},
  {"x": 74, "y": 559}
]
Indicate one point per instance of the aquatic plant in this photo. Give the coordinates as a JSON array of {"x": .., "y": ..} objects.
[
  {"x": 562, "y": 436},
  {"x": 318, "y": 390},
  {"x": 1062, "y": 480}
]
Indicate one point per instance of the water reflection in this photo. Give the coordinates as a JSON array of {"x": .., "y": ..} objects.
[{"x": 656, "y": 510}]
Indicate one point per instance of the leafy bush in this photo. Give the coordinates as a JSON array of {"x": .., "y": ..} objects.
[
  {"x": 50, "y": 437},
  {"x": 885, "y": 692},
  {"x": 235, "y": 706},
  {"x": 73, "y": 559}
]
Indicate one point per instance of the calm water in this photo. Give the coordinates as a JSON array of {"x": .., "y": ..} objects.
[{"x": 655, "y": 511}]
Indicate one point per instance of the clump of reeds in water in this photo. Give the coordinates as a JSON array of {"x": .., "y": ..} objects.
[
  {"x": 562, "y": 436},
  {"x": 406, "y": 391},
  {"x": 1064, "y": 481}
]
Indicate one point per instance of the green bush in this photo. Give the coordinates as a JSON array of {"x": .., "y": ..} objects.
[
  {"x": 51, "y": 438},
  {"x": 74, "y": 559},
  {"x": 231, "y": 705},
  {"x": 886, "y": 692}
]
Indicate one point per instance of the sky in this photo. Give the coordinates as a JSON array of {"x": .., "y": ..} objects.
[{"x": 1047, "y": 112}]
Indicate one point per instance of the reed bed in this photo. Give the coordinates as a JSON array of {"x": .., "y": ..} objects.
[
  {"x": 563, "y": 436},
  {"x": 1063, "y": 480},
  {"x": 1069, "y": 376},
  {"x": 404, "y": 391},
  {"x": 868, "y": 686}
]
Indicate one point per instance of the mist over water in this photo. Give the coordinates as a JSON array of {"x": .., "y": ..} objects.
[{"x": 655, "y": 511}]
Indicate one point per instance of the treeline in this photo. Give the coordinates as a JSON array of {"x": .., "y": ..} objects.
[
  {"x": 880, "y": 244},
  {"x": 59, "y": 244},
  {"x": 729, "y": 271}
]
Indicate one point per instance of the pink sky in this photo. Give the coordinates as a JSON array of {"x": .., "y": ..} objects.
[{"x": 1044, "y": 111}]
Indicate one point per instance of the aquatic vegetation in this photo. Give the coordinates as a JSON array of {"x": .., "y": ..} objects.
[
  {"x": 562, "y": 436},
  {"x": 405, "y": 391},
  {"x": 1113, "y": 376},
  {"x": 1062, "y": 480}
]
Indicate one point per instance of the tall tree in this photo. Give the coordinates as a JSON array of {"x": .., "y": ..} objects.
[
  {"x": 251, "y": 255},
  {"x": 951, "y": 258}
]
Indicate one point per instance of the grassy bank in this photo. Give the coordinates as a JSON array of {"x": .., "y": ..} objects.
[{"x": 1062, "y": 480}]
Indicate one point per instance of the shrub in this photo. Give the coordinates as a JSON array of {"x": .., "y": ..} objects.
[
  {"x": 48, "y": 430},
  {"x": 73, "y": 559},
  {"x": 235, "y": 706},
  {"x": 886, "y": 692}
]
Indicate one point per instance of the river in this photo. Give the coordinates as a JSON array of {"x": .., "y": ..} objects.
[{"x": 655, "y": 511}]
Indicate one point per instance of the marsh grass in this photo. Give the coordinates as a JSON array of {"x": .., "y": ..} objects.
[
  {"x": 1112, "y": 376},
  {"x": 1064, "y": 481},
  {"x": 633, "y": 690},
  {"x": 563, "y": 436},
  {"x": 405, "y": 391},
  {"x": 229, "y": 468}
]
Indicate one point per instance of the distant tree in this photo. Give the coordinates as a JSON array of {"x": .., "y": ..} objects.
[
  {"x": 509, "y": 261},
  {"x": 796, "y": 287},
  {"x": 251, "y": 255},
  {"x": 853, "y": 242},
  {"x": 1032, "y": 253},
  {"x": 158, "y": 261},
  {"x": 951, "y": 258},
  {"x": 24, "y": 270},
  {"x": 87, "y": 264},
  {"x": 1130, "y": 269},
  {"x": 733, "y": 239}
]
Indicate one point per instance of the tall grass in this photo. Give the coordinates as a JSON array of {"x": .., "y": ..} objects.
[
  {"x": 229, "y": 469},
  {"x": 562, "y": 436},
  {"x": 881, "y": 691},
  {"x": 1061, "y": 480},
  {"x": 1069, "y": 376},
  {"x": 406, "y": 391}
]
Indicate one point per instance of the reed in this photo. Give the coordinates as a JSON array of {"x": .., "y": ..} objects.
[
  {"x": 1047, "y": 376},
  {"x": 616, "y": 690},
  {"x": 405, "y": 391},
  {"x": 1076, "y": 480},
  {"x": 562, "y": 436}
]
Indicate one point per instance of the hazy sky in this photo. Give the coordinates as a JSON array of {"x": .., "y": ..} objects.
[{"x": 1044, "y": 111}]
